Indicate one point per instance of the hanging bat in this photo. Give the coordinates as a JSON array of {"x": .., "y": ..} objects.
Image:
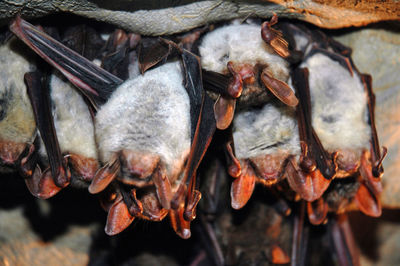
[
  {"x": 342, "y": 117},
  {"x": 239, "y": 50},
  {"x": 67, "y": 146},
  {"x": 17, "y": 124},
  {"x": 144, "y": 139}
]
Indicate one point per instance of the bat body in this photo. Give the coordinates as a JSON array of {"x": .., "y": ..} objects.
[
  {"x": 145, "y": 129},
  {"x": 339, "y": 110},
  {"x": 148, "y": 114},
  {"x": 74, "y": 128},
  {"x": 241, "y": 51},
  {"x": 72, "y": 119},
  {"x": 241, "y": 44},
  {"x": 268, "y": 134},
  {"x": 264, "y": 134},
  {"x": 342, "y": 115},
  {"x": 17, "y": 124}
]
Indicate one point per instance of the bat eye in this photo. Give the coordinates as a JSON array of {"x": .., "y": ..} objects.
[
  {"x": 224, "y": 58},
  {"x": 329, "y": 119}
]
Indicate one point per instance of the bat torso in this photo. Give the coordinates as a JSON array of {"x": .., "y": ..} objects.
[
  {"x": 148, "y": 114},
  {"x": 242, "y": 44},
  {"x": 339, "y": 105},
  {"x": 271, "y": 129},
  {"x": 72, "y": 119},
  {"x": 17, "y": 123}
]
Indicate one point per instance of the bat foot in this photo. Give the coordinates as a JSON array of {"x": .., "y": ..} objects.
[{"x": 310, "y": 186}]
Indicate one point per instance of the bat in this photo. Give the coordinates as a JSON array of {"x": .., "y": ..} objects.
[
  {"x": 142, "y": 146},
  {"x": 17, "y": 124},
  {"x": 240, "y": 51},
  {"x": 342, "y": 117}
]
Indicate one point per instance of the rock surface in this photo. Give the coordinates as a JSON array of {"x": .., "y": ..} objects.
[{"x": 168, "y": 17}]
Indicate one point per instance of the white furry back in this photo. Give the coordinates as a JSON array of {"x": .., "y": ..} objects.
[
  {"x": 339, "y": 104},
  {"x": 74, "y": 125},
  {"x": 150, "y": 113},
  {"x": 239, "y": 43},
  {"x": 269, "y": 130},
  {"x": 16, "y": 117}
]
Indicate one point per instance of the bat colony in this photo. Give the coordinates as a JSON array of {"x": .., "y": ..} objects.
[{"x": 297, "y": 115}]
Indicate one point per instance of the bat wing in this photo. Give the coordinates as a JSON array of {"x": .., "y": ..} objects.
[
  {"x": 202, "y": 116},
  {"x": 39, "y": 96},
  {"x": 96, "y": 83},
  {"x": 323, "y": 159}
]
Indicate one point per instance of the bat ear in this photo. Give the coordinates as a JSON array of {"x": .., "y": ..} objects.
[{"x": 96, "y": 83}]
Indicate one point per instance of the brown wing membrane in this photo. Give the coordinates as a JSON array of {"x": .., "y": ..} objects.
[
  {"x": 96, "y": 83},
  {"x": 377, "y": 158},
  {"x": 216, "y": 82},
  {"x": 325, "y": 162},
  {"x": 343, "y": 241},
  {"x": 202, "y": 116},
  {"x": 152, "y": 52},
  {"x": 40, "y": 100},
  {"x": 300, "y": 237}
]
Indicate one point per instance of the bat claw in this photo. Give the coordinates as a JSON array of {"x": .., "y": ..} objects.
[
  {"x": 377, "y": 168},
  {"x": 366, "y": 172},
  {"x": 190, "y": 206},
  {"x": 28, "y": 162},
  {"x": 41, "y": 185},
  {"x": 310, "y": 186},
  {"x": 134, "y": 205},
  {"x": 180, "y": 225}
]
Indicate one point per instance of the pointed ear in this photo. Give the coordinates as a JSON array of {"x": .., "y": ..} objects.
[{"x": 96, "y": 83}]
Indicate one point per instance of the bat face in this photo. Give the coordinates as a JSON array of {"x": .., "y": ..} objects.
[
  {"x": 17, "y": 124},
  {"x": 267, "y": 134}
]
